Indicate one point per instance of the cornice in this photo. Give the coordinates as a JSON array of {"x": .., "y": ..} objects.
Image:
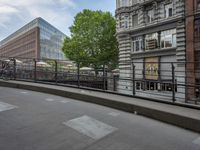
[{"x": 172, "y": 21}]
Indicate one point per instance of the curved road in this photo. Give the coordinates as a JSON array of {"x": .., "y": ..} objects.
[{"x": 36, "y": 121}]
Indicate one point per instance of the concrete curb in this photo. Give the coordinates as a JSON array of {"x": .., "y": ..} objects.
[{"x": 184, "y": 121}]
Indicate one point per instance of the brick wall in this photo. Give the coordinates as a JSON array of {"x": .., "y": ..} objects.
[{"x": 190, "y": 53}]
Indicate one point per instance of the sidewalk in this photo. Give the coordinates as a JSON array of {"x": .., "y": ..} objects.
[{"x": 187, "y": 118}]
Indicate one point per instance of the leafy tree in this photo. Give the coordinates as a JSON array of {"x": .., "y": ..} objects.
[{"x": 93, "y": 41}]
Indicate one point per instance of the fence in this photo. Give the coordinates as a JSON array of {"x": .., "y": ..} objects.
[{"x": 164, "y": 81}]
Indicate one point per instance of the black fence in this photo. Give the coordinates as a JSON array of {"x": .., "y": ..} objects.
[{"x": 161, "y": 81}]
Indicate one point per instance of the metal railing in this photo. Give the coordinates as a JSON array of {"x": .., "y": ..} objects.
[{"x": 165, "y": 81}]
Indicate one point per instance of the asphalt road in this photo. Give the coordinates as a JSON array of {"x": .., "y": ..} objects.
[{"x": 36, "y": 121}]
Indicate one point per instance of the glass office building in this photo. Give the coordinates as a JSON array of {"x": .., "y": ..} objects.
[
  {"x": 37, "y": 39},
  {"x": 51, "y": 41}
]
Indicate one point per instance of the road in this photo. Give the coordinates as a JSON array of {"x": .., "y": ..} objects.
[{"x": 37, "y": 121}]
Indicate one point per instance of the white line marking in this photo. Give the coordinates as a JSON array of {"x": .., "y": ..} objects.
[
  {"x": 49, "y": 100},
  {"x": 6, "y": 106},
  {"x": 64, "y": 101},
  {"x": 114, "y": 114},
  {"x": 24, "y": 92},
  {"x": 90, "y": 127},
  {"x": 197, "y": 141}
]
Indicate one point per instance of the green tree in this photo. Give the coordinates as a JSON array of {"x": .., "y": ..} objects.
[{"x": 93, "y": 40}]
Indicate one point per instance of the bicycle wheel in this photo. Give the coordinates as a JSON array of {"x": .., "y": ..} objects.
[{"x": 5, "y": 76}]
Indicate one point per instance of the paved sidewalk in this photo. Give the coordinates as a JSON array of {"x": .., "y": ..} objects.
[{"x": 180, "y": 116}]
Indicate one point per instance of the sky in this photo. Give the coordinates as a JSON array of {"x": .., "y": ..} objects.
[{"x": 60, "y": 13}]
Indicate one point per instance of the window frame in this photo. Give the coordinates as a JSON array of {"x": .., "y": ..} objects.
[
  {"x": 150, "y": 18},
  {"x": 198, "y": 5},
  {"x": 126, "y": 21},
  {"x": 167, "y": 7},
  {"x": 151, "y": 36},
  {"x": 133, "y": 19},
  {"x": 139, "y": 41},
  {"x": 166, "y": 34}
]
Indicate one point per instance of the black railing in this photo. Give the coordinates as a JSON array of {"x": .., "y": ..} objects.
[{"x": 166, "y": 81}]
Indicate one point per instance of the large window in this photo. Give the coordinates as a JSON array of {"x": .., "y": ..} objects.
[
  {"x": 168, "y": 38},
  {"x": 137, "y": 44},
  {"x": 151, "y": 41},
  {"x": 135, "y": 21},
  {"x": 168, "y": 10}
]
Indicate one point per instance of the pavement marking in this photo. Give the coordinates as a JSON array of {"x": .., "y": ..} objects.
[
  {"x": 24, "y": 92},
  {"x": 49, "y": 100},
  {"x": 196, "y": 141},
  {"x": 82, "y": 91},
  {"x": 6, "y": 106},
  {"x": 114, "y": 114},
  {"x": 64, "y": 101},
  {"x": 90, "y": 127}
]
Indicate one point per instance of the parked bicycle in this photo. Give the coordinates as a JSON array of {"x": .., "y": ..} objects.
[{"x": 6, "y": 70}]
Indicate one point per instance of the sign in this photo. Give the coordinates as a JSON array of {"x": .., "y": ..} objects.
[{"x": 151, "y": 68}]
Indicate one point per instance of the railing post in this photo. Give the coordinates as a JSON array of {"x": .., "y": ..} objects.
[
  {"x": 56, "y": 71},
  {"x": 14, "y": 69},
  {"x": 35, "y": 70},
  {"x": 173, "y": 83},
  {"x": 78, "y": 74},
  {"x": 114, "y": 83},
  {"x": 133, "y": 78},
  {"x": 104, "y": 77}
]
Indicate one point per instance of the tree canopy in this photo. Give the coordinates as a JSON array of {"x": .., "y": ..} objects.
[{"x": 93, "y": 41}]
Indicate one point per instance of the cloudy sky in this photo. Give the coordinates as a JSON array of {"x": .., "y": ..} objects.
[{"x": 60, "y": 13}]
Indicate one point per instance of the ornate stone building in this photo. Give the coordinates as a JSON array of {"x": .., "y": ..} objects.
[{"x": 151, "y": 34}]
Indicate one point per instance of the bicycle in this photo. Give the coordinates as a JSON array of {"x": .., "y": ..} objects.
[{"x": 5, "y": 71}]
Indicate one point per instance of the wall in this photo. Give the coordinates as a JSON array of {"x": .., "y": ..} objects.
[{"x": 25, "y": 46}]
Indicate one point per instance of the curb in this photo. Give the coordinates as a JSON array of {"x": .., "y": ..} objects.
[{"x": 187, "y": 122}]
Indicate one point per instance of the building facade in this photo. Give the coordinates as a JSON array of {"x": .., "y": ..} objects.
[
  {"x": 37, "y": 39},
  {"x": 151, "y": 35},
  {"x": 193, "y": 47}
]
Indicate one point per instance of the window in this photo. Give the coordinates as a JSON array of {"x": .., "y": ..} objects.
[
  {"x": 137, "y": 44},
  {"x": 150, "y": 16},
  {"x": 138, "y": 85},
  {"x": 168, "y": 10},
  {"x": 198, "y": 4},
  {"x": 126, "y": 21},
  {"x": 197, "y": 31},
  {"x": 151, "y": 41},
  {"x": 123, "y": 3},
  {"x": 168, "y": 38},
  {"x": 135, "y": 20}
]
